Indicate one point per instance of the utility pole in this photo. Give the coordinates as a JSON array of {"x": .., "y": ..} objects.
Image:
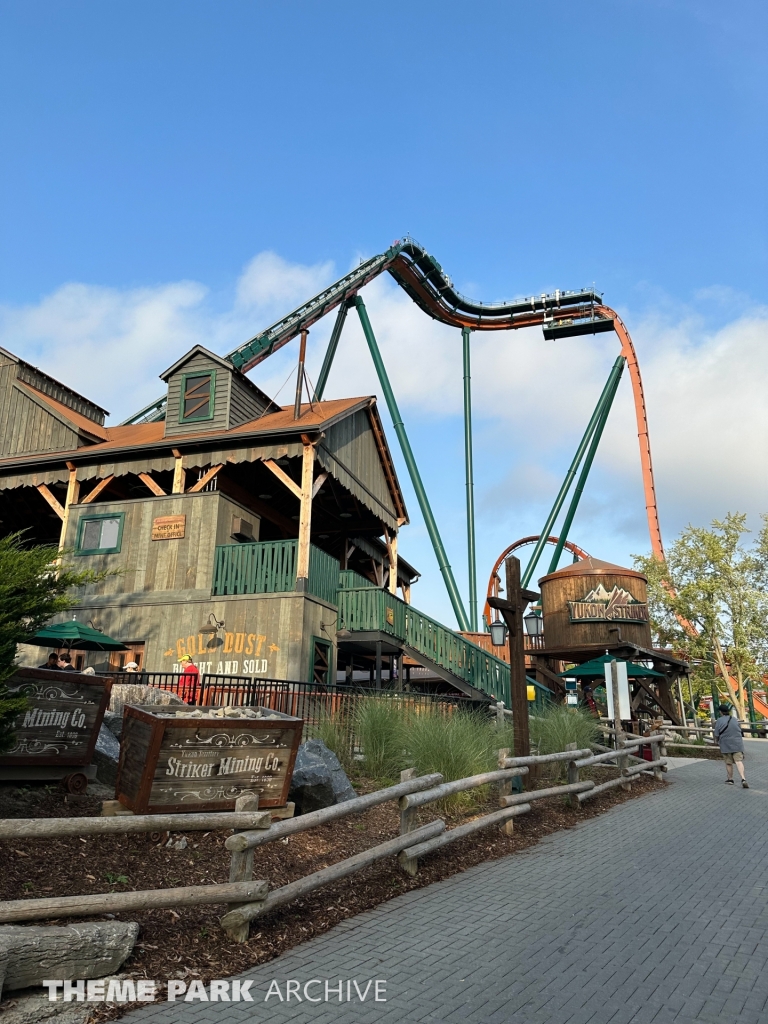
[{"x": 512, "y": 608}]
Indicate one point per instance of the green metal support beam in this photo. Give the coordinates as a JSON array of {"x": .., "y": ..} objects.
[
  {"x": 330, "y": 352},
  {"x": 590, "y": 456},
  {"x": 410, "y": 461},
  {"x": 471, "y": 553},
  {"x": 531, "y": 567}
]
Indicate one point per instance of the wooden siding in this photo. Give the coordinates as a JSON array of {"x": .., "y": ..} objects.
[
  {"x": 25, "y": 424},
  {"x": 184, "y": 565},
  {"x": 356, "y": 464},
  {"x": 198, "y": 364},
  {"x": 265, "y": 635},
  {"x": 44, "y": 383},
  {"x": 560, "y": 632},
  {"x": 245, "y": 403}
]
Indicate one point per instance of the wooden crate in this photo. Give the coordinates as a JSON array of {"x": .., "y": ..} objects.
[
  {"x": 169, "y": 764},
  {"x": 62, "y": 720}
]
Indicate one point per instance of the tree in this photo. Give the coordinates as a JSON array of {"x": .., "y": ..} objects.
[
  {"x": 709, "y": 600},
  {"x": 33, "y": 588}
]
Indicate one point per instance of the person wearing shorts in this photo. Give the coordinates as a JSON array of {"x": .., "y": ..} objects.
[{"x": 728, "y": 737}]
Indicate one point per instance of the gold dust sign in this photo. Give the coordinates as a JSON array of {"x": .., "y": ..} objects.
[{"x": 168, "y": 527}]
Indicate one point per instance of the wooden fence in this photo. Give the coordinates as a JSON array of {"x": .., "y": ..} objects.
[{"x": 249, "y": 898}]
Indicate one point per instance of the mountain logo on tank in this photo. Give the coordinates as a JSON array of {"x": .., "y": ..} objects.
[{"x": 601, "y": 605}]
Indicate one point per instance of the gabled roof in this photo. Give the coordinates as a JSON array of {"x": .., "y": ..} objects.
[
  {"x": 224, "y": 364},
  {"x": 56, "y": 383},
  {"x": 63, "y": 412},
  {"x": 197, "y": 350}
]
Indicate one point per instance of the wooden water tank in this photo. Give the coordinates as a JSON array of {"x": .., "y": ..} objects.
[{"x": 594, "y": 602}]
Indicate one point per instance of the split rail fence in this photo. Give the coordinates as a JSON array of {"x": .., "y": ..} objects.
[{"x": 250, "y": 898}]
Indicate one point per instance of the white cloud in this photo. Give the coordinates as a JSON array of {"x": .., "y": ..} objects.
[{"x": 705, "y": 392}]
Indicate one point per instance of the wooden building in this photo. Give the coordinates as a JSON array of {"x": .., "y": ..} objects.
[{"x": 230, "y": 524}]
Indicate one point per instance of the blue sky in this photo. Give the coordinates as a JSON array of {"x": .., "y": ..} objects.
[{"x": 152, "y": 151}]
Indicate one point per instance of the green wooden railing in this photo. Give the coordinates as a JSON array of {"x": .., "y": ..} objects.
[
  {"x": 349, "y": 580},
  {"x": 269, "y": 567},
  {"x": 368, "y": 609}
]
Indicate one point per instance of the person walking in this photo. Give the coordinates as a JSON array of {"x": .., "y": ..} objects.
[{"x": 728, "y": 737}]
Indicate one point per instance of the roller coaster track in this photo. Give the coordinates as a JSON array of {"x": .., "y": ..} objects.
[{"x": 561, "y": 314}]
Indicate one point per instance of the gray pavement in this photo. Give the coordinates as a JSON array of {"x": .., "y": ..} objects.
[{"x": 655, "y": 911}]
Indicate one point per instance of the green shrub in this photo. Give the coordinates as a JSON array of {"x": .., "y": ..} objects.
[
  {"x": 330, "y": 729},
  {"x": 381, "y": 725},
  {"x": 457, "y": 745},
  {"x": 558, "y": 725}
]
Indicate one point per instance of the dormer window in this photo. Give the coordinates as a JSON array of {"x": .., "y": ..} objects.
[{"x": 197, "y": 395}]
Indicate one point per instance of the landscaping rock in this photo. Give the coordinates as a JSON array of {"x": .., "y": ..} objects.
[
  {"x": 90, "y": 950},
  {"x": 318, "y": 778},
  {"x": 137, "y": 693},
  {"x": 105, "y": 756},
  {"x": 114, "y": 723}
]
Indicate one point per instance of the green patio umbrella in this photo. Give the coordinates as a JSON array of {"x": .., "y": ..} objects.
[
  {"x": 75, "y": 636},
  {"x": 595, "y": 669}
]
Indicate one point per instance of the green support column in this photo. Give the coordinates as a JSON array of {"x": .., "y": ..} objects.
[
  {"x": 410, "y": 461},
  {"x": 330, "y": 352},
  {"x": 471, "y": 555},
  {"x": 531, "y": 568},
  {"x": 598, "y": 433}
]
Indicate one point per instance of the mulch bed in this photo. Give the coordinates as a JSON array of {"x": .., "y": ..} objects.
[{"x": 190, "y": 943}]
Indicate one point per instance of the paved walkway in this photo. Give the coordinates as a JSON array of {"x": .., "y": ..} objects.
[{"x": 655, "y": 911}]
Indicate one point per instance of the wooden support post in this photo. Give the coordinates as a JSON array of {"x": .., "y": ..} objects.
[
  {"x": 517, "y": 680},
  {"x": 499, "y": 714},
  {"x": 655, "y": 756},
  {"x": 73, "y": 493},
  {"x": 512, "y": 609},
  {"x": 391, "y": 541},
  {"x": 178, "y": 472},
  {"x": 241, "y": 868},
  {"x": 305, "y": 515},
  {"x": 573, "y": 776},
  {"x": 410, "y": 865},
  {"x": 505, "y": 789}
]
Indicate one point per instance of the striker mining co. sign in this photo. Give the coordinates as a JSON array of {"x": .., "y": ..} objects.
[{"x": 601, "y": 605}]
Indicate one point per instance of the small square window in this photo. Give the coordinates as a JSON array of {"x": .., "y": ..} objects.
[
  {"x": 100, "y": 535},
  {"x": 197, "y": 396}
]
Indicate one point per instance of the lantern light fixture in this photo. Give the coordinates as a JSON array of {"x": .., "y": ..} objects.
[
  {"x": 534, "y": 624},
  {"x": 498, "y": 630}
]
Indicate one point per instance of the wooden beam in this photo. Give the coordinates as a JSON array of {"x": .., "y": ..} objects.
[
  {"x": 205, "y": 478},
  {"x": 512, "y": 609},
  {"x": 305, "y": 515},
  {"x": 392, "y": 556},
  {"x": 52, "y": 501},
  {"x": 318, "y": 484},
  {"x": 261, "y": 508},
  {"x": 150, "y": 483},
  {"x": 96, "y": 491},
  {"x": 179, "y": 476},
  {"x": 283, "y": 477},
  {"x": 547, "y": 675},
  {"x": 73, "y": 493}
]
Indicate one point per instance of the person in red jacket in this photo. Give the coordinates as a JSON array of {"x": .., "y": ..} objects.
[{"x": 190, "y": 677}]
